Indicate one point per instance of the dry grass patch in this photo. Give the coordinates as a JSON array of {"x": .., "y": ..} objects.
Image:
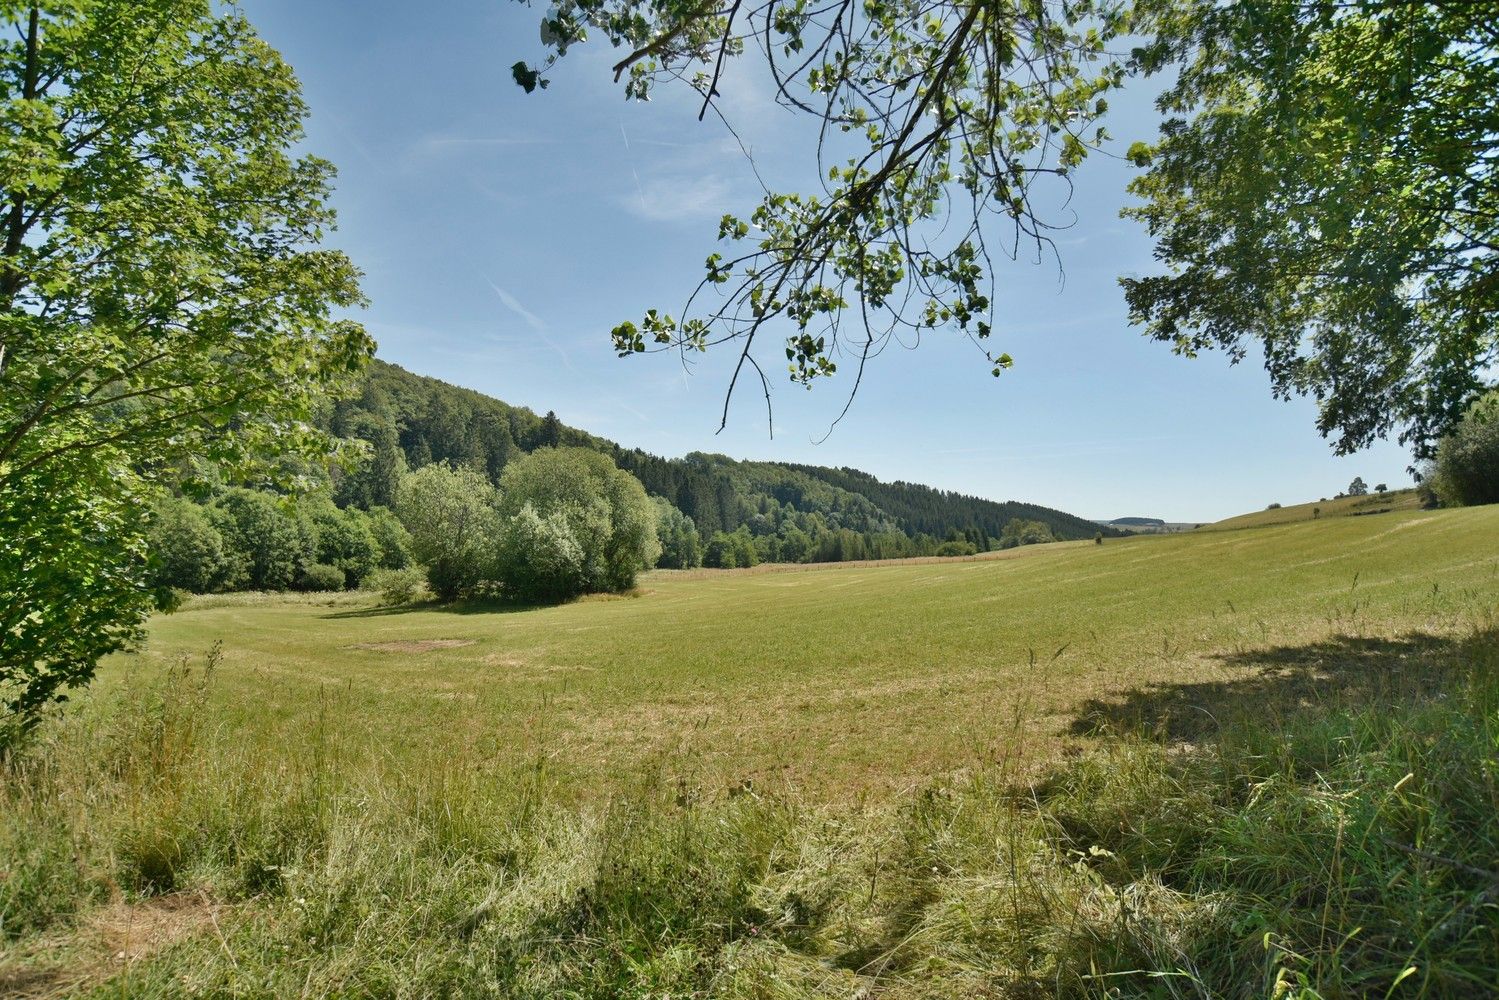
[
  {"x": 106, "y": 942},
  {"x": 129, "y": 932},
  {"x": 411, "y": 645}
]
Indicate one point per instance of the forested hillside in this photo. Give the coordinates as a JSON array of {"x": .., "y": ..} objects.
[{"x": 783, "y": 512}]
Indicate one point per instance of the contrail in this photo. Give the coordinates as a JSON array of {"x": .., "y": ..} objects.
[
  {"x": 639, "y": 188},
  {"x": 532, "y": 320}
]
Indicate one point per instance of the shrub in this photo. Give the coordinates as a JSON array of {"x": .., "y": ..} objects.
[
  {"x": 398, "y": 586},
  {"x": 321, "y": 576},
  {"x": 450, "y": 514},
  {"x": 1018, "y": 531},
  {"x": 187, "y": 551},
  {"x": 540, "y": 559},
  {"x": 341, "y": 538},
  {"x": 392, "y": 538},
  {"x": 957, "y": 549},
  {"x": 1274, "y": 506},
  {"x": 1466, "y": 469},
  {"x": 605, "y": 510}
]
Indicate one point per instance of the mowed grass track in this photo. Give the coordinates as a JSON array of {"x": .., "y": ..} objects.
[{"x": 837, "y": 682}]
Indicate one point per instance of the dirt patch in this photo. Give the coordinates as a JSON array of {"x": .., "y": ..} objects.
[
  {"x": 106, "y": 940},
  {"x": 132, "y": 931},
  {"x": 411, "y": 645},
  {"x": 25, "y": 983},
  {"x": 516, "y": 664}
]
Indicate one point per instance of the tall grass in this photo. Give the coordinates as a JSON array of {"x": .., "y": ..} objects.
[{"x": 1338, "y": 846}]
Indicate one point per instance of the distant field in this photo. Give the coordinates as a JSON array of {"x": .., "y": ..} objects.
[
  {"x": 1374, "y": 503},
  {"x": 837, "y": 681}
]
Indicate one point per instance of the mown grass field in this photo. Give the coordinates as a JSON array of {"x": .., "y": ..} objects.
[
  {"x": 945, "y": 778},
  {"x": 1364, "y": 506},
  {"x": 835, "y": 680}
]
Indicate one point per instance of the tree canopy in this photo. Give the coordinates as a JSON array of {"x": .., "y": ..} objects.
[
  {"x": 592, "y": 515},
  {"x": 937, "y": 121},
  {"x": 1321, "y": 191},
  {"x": 1466, "y": 469}
]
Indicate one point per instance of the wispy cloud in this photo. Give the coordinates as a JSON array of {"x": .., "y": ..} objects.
[
  {"x": 429, "y": 148},
  {"x": 677, "y": 199},
  {"x": 460, "y": 141},
  {"x": 532, "y": 320},
  {"x": 633, "y": 172},
  {"x": 631, "y": 410}
]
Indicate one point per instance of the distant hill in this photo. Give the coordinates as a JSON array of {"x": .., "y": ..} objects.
[
  {"x": 844, "y": 513},
  {"x": 1139, "y": 522}
]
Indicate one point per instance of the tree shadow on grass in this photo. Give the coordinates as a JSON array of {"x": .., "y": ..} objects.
[
  {"x": 1341, "y": 672},
  {"x": 471, "y": 607}
]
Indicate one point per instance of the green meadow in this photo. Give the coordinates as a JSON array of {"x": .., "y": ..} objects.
[
  {"x": 1223, "y": 763},
  {"x": 1346, "y": 506}
]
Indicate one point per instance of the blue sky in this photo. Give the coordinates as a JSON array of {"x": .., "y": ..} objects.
[{"x": 503, "y": 234}]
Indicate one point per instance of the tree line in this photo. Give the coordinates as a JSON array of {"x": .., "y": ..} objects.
[
  {"x": 788, "y": 513},
  {"x": 484, "y": 497}
]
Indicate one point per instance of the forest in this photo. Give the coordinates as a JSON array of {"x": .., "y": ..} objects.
[{"x": 327, "y": 525}]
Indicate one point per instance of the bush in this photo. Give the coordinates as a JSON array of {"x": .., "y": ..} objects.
[
  {"x": 451, "y": 516},
  {"x": 1466, "y": 470},
  {"x": 957, "y": 549},
  {"x": 321, "y": 576},
  {"x": 604, "y": 509},
  {"x": 187, "y": 551},
  {"x": 398, "y": 586},
  {"x": 393, "y": 540},
  {"x": 341, "y": 538},
  {"x": 539, "y": 558},
  {"x": 1018, "y": 531}
]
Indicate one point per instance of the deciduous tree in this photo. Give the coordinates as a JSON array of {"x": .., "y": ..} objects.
[
  {"x": 939, "y": 124},
  {"x": 604, "y": 509},
  {"x": 681, "y": 546},
  {"x": 451, "y": 516},
  {"x": 162, "y": 295},
  {"x": 1466, "y": 470},
  {"x": 1323, "y": 194}
]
